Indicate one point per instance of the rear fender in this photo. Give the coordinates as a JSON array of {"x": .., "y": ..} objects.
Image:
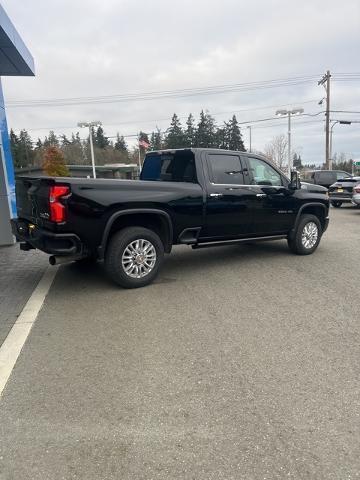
[{"x": 167, "y": 238}]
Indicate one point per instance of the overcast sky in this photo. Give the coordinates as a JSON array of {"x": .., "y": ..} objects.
[{"x": 96, "y": 48}]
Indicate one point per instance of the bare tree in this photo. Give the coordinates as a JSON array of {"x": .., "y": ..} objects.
[{"x": 276, "y": 151}]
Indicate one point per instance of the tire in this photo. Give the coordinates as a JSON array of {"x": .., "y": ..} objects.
[
  {"x": 307, "y": 244},
  {"x": 336, "y": 204},
  {"x": 124, "y": 259}
]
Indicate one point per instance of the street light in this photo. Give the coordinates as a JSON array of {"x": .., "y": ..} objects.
[
  {"x": 90, "y": 125},
  {"x": 341, "y": 122},
  {"x": 288, "y": 113},
  {"x": 249, "y": 127}
]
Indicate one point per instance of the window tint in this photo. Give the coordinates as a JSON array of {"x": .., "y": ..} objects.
[
  {"x": 326, "y": 177},
  {"x": 263, "y": 173},
  {"x": 170, "y": 167},
  {"x": 340, "y": 175},
  {"x": 226, "y": 169}
]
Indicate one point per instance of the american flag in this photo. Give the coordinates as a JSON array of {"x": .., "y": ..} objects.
[{"x": 144, "y": 143}]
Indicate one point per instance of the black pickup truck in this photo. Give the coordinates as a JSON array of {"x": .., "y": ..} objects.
[{"x": 197, "y": 197}]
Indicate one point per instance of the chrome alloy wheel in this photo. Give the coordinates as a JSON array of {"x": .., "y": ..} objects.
[
  {"x": 309, "y": 235},
  {"x": 139, "y": 258}
]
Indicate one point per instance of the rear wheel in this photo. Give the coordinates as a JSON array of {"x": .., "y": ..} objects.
[
  {"x": 134, "y": 256},
  {"x": 336, "y": 204},
  {"x": 307, "y": 236}
]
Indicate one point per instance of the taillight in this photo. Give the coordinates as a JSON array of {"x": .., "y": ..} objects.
[{"x": 57, "y": 209}]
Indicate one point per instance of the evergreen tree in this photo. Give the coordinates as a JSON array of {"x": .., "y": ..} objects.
[
  {"x": 120, "y": 144},
  {"x": 39, "y": 144},
  {"x": 206, "y": 131},
  {"x": 156, "y": 140},
  {"x": 190, "y": 132},
  {"x": 233, "y": 134},
  {"x": 52, "y": 140},
  {"x": 99, "y": 139},
  {"x": 25, "y": 149},
  {"x": 175, "y": 135},
  {"x": 222, "y": 138},
  {"x": 15, "y": 149},
  {"x": 75, "y": 139},
  {"x": 64, "y": 140}
]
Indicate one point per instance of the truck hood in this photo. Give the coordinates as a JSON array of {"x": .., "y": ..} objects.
[{"x": 312, "y": 187}]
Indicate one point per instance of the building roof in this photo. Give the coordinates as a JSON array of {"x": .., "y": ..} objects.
[{"x": 15, "y": 58}]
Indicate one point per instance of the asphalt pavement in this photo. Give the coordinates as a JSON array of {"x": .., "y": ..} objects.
[
  {"x": 240, "y": 362},
  {"x": 20, "y": 272}
]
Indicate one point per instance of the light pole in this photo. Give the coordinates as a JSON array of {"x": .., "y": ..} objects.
[
  {"x": 249, "y": 127},
  {"x": 288, "y": 113},
  {"x": 334, "y": 122},
  {"x": 90, "y": 125}
]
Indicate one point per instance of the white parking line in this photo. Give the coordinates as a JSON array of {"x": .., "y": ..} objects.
[{"x": 11, "y": 348}]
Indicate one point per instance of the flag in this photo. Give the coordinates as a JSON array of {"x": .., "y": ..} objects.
[{"x": 143, "y": 143}]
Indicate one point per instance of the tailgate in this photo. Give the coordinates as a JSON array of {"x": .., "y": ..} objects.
[{"x": 32, "y": 199}]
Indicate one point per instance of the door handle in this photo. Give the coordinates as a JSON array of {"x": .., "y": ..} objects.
[
  {"x": 261, "y": 195},
  {"x": 216, "y": 195}
]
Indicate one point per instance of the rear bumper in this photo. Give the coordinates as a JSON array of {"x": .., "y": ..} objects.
[
  {"x": 339, "y": 198},
  {"x": 48, "y": 242},
  {"x": 356, "y": 199}
]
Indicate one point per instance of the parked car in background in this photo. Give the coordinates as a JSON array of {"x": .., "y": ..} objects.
[
  {"x": 325, "y": 178},
  {"x": 342, "y": 191},
  {"x": 356, "y": 195}
]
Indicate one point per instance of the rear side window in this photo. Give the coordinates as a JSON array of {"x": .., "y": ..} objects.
[
  {"x": 308, "y": 176},
  {"x": 170, "y": 167},
  {"x": 225, "y": 169}
]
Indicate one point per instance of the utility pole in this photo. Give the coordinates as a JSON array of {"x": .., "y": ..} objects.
[
  {"x": 322, "y": 81},
  {"x": 288, "y": 113},
  {"x": 290, "y": 165},
  {"x": 249, "y": 127},
  {"x": 90, "y": 125}
]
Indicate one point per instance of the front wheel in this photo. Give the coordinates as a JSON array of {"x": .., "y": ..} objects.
[
  {"x": 307, "y": 236},
  {"x": 134, "y": 256},
  {"x": 336, "y": 204}
]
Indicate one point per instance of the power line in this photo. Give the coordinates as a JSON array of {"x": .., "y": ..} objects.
[{"x": 180, "y": 93}]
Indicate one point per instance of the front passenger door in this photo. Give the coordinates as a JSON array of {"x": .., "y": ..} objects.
[{"x": 273, "y": 204}]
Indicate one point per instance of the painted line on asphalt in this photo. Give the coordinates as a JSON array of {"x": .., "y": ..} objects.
[{"x": 12, "y": 346}]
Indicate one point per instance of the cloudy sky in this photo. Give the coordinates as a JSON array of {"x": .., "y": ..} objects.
[{"x": 120, "y": 47}]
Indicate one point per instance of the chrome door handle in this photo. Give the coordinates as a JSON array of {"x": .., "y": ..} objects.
[
  {"x": 216, "y": 195},
  {"x": 261, "y": 195}
]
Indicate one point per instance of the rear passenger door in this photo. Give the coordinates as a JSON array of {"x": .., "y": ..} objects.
[{"x": 227, "y": 200}]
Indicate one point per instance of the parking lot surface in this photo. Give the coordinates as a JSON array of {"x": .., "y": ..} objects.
[
  {"x": 19, "y": 274},
  {"x": 238, "y": 363}
]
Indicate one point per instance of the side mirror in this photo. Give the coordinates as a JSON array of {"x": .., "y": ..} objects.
[{"x": 294, "y": 180}]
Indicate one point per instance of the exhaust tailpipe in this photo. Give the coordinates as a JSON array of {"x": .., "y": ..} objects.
[{"x": 60, "y": 259}]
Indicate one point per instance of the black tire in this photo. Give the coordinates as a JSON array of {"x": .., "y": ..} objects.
[
  {"x": 118, "y": 243},
  {"x": 297, "y": 243},
  {"x": 336, "y": 204}
]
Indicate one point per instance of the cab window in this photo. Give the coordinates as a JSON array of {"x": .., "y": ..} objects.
[{"x": 262, "y": 173}]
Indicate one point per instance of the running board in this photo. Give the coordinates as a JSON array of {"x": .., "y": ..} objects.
[{"x": 239, "y": 240}]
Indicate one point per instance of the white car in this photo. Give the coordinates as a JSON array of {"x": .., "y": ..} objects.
[{"x": 356, "y": 195}]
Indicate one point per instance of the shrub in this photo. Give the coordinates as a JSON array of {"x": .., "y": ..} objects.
[{"x": 54, "y": 163}]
